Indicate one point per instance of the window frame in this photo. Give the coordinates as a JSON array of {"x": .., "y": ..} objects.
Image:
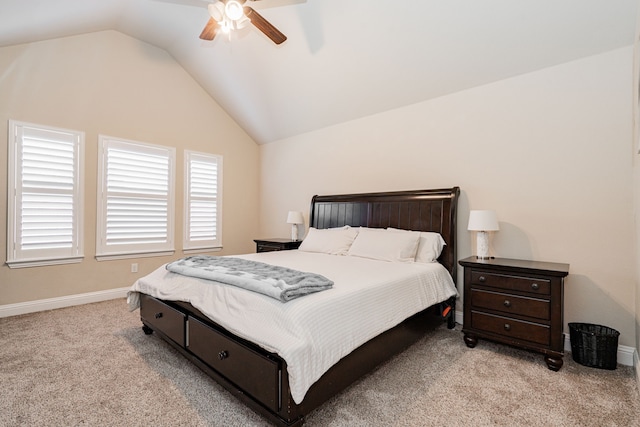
[
  {"x": 16, "y": 256},
  {"x": 104, "y": 251},
  {"x": 188, "y": 244}
]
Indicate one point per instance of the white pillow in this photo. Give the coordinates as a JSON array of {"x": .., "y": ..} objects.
[
  {"x": 378, "y": 244},
  {"x": 430, "y": 244},
  {"x": 334, "y": 241}
]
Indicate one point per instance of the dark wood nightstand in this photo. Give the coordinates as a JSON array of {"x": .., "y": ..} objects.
[
  {"x": 516, "y": 302},
  {"x": 268, "y": 245}
]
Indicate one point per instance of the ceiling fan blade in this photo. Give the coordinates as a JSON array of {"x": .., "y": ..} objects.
[
  {"x": 265, "y": 26},
  {"x": 210, "y": 30}
]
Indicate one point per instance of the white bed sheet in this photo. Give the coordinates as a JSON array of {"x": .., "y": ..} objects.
[{"x": 313, "y": 332}]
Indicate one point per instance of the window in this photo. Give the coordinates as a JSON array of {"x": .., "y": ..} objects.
[
  {"x": 135, "y": 199},
  {"x": 203, "y": 201},
  {"x": 45, "y": 203}
]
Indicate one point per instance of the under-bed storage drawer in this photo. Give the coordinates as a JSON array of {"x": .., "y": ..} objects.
[
  {"x": 251, "y": 371},
  {"x": 163, "y": 318}
]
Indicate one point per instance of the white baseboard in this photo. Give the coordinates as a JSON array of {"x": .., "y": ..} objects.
[{"x": 60, "y": 302}]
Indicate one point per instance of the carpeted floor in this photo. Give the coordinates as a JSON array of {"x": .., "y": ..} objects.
[{"x": 92, "y": 365}]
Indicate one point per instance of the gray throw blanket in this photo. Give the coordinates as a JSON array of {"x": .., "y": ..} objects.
[{"x": 277, "y": 282}]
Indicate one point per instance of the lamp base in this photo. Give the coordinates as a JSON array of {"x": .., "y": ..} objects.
[
  {"x": 294, "y": 232},
  {"x": 482, "y": 245}
]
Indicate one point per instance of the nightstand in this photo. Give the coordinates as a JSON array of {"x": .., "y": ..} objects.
[
  {"x": 269, "y": 245},
  {"x": 516, "y": 302}
]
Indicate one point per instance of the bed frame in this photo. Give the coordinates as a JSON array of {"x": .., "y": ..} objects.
[{"x": 260, "y": 378}]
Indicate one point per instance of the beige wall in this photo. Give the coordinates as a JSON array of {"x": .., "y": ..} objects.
[
  {"x": 548, "y": 151},
  {"x": 109, "y": 83}
]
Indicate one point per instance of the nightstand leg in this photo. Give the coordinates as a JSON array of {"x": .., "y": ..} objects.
[
  {"x": 554, "y": 363},
  {"x": 470, "y": 340}
]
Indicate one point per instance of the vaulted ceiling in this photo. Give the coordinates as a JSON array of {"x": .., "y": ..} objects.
[{"x": 343, "y": 59}]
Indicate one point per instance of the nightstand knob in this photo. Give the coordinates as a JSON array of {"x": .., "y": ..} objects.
[
  {"x": 507, "y": 303},
  {"x": 223, "y": 355},
  {"x": 535, "y": 286},
  {"x": 507, "y": 327},
  {"x": 482, "y": 279}
]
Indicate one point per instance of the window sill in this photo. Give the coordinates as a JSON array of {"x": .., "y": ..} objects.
[
  {"x": 43, "y": 262},
  {"x": 189, "y": 251},
  {"x": 109, "y": 257}
]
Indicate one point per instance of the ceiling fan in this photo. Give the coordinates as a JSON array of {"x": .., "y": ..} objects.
[{"x": 229, "y": 15}]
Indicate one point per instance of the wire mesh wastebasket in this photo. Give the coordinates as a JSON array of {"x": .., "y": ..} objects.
[{"x": 595, "y": 346}]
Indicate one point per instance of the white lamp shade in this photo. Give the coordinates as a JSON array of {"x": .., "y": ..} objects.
[
  {"x": 483, "y": 220},
  {"x": 295, "y": 217}
]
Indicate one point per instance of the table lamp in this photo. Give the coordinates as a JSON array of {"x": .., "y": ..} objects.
[
  {"x": 482, "y": 221},
  {"x": 294, "y": 218}
]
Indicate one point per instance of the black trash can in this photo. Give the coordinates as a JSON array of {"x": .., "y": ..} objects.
[{"x": 595, "y": 346}]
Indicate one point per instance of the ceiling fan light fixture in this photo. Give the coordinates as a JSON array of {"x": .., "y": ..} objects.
[
  {"x": 227, "y": 16},
  {"x": 233, "y": 10}
]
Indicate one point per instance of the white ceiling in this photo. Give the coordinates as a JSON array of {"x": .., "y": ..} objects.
[{"x": 343, "y": 59}]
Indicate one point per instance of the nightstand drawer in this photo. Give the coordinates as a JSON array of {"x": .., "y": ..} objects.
[
  {"x": 264, "y": 247},
  {"x": 514, "y": 304},
  {"x": 513, "y": 283},
  {"x": 511, "y": 328},
  {"x": 272, "y": 245}
]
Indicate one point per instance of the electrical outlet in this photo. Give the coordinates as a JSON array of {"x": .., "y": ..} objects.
[{"x": 134, "y": 267}]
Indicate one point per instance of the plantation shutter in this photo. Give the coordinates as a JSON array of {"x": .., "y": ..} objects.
[
  {"x": 45, "y": 214},
  {"x": 137, "y": 198},
  {"x": 202, "y": 200}
]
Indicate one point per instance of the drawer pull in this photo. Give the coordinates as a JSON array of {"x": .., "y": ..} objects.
[
  {"x": 507, "y": 303},
  {"x": 535, "y": 286},
  {"x": 158, "y": 315},
  {"x": 482, "y": 279},
  {"x": 223, "y": 354},
  {"x": 507, "y": 327}
]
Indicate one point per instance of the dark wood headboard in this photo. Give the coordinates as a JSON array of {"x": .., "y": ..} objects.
[{"x": 420, "y": 210}]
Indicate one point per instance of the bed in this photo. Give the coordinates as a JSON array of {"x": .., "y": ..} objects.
[{"x": 283, "y": 381}]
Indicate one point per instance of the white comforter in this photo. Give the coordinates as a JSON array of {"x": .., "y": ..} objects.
[{"x": 314, "y": 332}]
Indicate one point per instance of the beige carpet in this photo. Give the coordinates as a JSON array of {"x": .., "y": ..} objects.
[{"x": 93, "y": 366}]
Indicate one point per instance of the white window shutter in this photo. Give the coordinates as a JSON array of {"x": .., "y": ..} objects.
[
  {"x": 203, "y": 199},
  {"x": 46, "y": 210},
  {"x": 136, "y": 198}
]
